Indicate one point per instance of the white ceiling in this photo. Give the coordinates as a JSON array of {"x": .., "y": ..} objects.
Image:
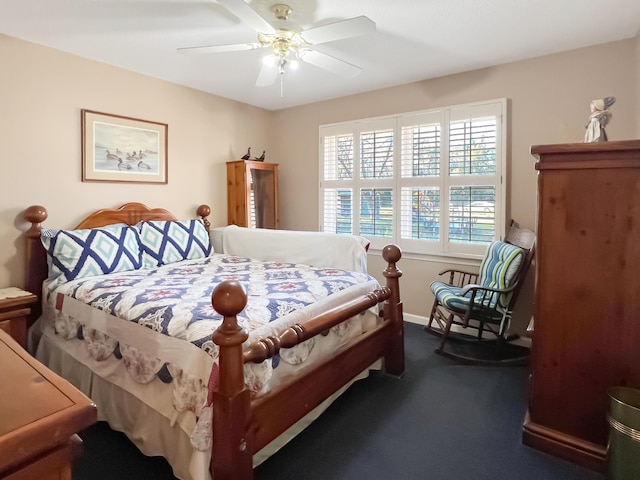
[{"x": 414, "y": 40}]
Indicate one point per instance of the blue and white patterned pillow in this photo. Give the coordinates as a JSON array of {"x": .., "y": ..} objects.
[
  {"x": 164, "y": 242},
  {"x": 96, "y": 251}
]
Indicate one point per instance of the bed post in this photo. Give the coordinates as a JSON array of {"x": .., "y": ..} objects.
[
  {"x": 36, "y": 256},
  {"x": 394, "y": 359},
  {"x": 232, "y": 455},
  {"x": 203, "y": 212}
]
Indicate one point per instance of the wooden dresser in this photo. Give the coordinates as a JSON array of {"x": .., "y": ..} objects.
[
  {"x": 586, "y": 327},
  {"x": 40, "y": 413}
]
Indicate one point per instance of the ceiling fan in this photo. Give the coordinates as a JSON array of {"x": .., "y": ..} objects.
[{"x": 287, "y": 45}]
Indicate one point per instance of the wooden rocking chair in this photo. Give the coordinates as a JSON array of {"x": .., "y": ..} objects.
[{"x": 483, "y": 301}]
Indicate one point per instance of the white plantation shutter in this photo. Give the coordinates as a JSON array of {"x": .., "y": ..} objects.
[
  {"x": 338, "y": 157},
  {"x": 377, "y": 163},
  {"x": 430, "y": 181},
  {"x": 338, "y": 171},
  {"x": 376, "y": 154},
  {"x": 474, "y": 177},
  {"x": 472, "y": 213},
  {"x": 420, "y": 150},
  {"x": 376, "y": 212},
  {"x": 420, "y": 169},
  {"x": 338, "y": 210},
  {"x": 472, "y": 146},
  {"x": 420, "y": 211}
]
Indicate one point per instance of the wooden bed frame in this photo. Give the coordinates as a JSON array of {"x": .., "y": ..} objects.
[{"x": 242, "y": 425}]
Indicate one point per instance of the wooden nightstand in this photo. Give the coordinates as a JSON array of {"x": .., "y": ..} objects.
[
  {"x": 15, "y": 308},
  {"x": 40, "y": 414}
]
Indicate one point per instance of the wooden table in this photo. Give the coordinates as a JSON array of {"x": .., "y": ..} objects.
[{"x": 40, "y": 414}]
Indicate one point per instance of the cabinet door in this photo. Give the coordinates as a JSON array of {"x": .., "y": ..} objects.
[{"x": 263, "y": 202}]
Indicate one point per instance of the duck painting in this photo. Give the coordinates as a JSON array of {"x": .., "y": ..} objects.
[
  {"x": 143, "y": 166},
  {"x": 123, "y": 166},
  {"x": 111, "y": 156}
]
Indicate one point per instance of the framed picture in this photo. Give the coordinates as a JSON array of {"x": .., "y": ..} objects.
[{"x": 123, "y": 149}]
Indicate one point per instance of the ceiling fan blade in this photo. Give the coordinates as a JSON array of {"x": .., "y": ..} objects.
[
  {"x": 332, "y": 64},
  {"x": 267, "y": 76},
  {"x": 220, "y": 48},
  {"x": 248, "y": 15},
  {"x": 352, "y": 27}
]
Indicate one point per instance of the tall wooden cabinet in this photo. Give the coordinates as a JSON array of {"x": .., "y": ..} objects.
[
  {"x": 586, "y": 333},
  {"x": 252, "y": 194}
]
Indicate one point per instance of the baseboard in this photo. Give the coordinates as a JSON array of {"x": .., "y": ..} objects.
[
  {"x": 421, "y": 320},
  {"x": 561, "y": 445}
]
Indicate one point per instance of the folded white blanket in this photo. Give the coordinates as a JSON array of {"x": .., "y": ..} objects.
[{"x": 346, "y": 252}]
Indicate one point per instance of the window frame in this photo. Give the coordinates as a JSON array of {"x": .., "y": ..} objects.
[{"x": 443, "y": 247}]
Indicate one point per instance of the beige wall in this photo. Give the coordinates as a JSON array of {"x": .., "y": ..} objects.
[
  {"x": 41, "y": 94},
  {"x": 549, "y": 103}
]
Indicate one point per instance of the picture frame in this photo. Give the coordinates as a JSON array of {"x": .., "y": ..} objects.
[{"x": 121, "y": 149}]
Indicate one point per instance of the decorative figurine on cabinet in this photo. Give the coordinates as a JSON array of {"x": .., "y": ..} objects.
[
  {"x": 247, "y": 155},
  {"x": 261, "y": 157},
  {"x": 599, "y": 118}
]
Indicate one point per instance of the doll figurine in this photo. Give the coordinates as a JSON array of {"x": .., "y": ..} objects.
[{"x": 599, "y": 118}]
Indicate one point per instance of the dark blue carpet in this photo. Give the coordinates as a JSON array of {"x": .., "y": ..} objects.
[{"x": 441, "y": 421}]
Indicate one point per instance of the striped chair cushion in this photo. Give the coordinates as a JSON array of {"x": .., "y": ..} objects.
[
  {"x": 499, "y": 267},
  {"x": 497, "y": 270},
  {"x": 450, "y": 297}
]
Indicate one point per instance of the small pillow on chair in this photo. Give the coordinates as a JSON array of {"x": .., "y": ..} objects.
[
  {"x": 164, "y": 242},
  {"x": 500, "y": 264}
]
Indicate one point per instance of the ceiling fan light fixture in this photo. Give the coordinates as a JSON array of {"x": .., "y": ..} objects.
[
  {"x": 287, "y": 43},
  {"x": 269, "y": 60}
]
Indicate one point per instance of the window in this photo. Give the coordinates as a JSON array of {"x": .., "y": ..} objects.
[{"x": 429, "y": 181}]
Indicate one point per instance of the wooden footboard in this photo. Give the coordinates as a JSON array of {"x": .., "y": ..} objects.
[{"x": 243, "y": 426}]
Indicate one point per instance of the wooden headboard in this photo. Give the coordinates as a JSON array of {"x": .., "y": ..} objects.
[{"x": 129, "y": 213}]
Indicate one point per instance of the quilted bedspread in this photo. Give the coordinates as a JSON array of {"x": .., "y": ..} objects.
[
  {"x": 176, "y": 299},
  {"x": 173, "y": 303}
]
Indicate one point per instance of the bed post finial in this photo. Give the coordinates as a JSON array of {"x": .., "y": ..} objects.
[
  {"x": 394, "y": 362},
  {"x": 232, "y": 443},
  {"x": 36, "y": 257},
  {"x": 203, "y": 212},
  {"x": 36, "y": 214}
]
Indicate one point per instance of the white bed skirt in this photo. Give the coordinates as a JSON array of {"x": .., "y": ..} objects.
[{"x": 153, "y": 433}]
